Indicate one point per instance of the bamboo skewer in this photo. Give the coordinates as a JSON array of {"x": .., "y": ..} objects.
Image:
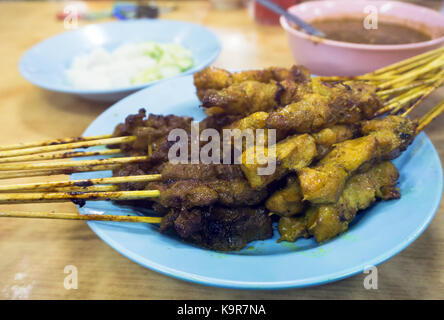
[
  {"x": 52, "y": 142},
  {"x": 76, "y": 216},
  {"x": 99, "y": 188},
  {"x": 389, "y": 92},
  {"x": 38, "y": 173},
  {"x": 428, "y": 92},
  {"x": 66, "y": 146},
  {"x": 7, "y": 198},
  {"x": 80, "y": 183},
  {"x": 71, "y": 164},
  {"x": 410, "y": 61},
  {"x": 60, "y": 155},
  {"x": 429, "y": 116},
  {"x": 415, "y": 73}
]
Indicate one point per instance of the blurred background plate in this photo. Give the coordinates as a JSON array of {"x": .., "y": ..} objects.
[
  {"x": 376, "y": 235},
  {"x": 46, "y": 63}
]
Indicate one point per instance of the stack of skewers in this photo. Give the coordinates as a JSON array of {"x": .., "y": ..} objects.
[{"x": 333, "y": 155}]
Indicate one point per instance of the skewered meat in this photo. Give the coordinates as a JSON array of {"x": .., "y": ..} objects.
[
  {"x": 326, "y": 138},
  {"x": 293, "y": 153},
  {"x": 384, "y": 139},
  {"x": 216, "y": 79},
  {"x": 204, "y": 172},
  {"x": 152, "y": 131},
  {"x": 343, "y": 103},
  {"x": 287, "y": 201},
  {"x": 219, "y": 228},
  {"x": 197, "y": 193},
  {"x": 327, "y": 221},
  {"x": 245, "y": 98}
]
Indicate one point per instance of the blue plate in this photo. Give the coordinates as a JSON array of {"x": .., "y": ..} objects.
[
  {"x": 377, "y": 234},
  {"x": 46, "y": 63}
]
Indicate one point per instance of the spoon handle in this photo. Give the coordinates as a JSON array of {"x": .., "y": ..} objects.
[{"x": 301, "y": 23}]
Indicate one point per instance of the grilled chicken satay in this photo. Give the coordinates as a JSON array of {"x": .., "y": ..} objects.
[
  {"x": 287, "y": 201},
  {"x": 293, "y": 153},
  {"x": 383, "y": 139},
  {"x": 305, "y": 108},
  {"x": 213, "y": 79},
  {"x": 251, "y": 96},
  {"x": 327, "y": 221},
  {"x": 342, "y": 103}
]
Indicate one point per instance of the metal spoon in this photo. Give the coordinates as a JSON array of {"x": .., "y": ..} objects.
[{"x": 301, "y": 23}]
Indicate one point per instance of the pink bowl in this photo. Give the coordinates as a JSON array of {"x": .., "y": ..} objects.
[{"x": 329, "y": 57}]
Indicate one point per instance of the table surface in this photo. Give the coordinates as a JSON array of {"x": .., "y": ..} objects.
[{"x": 34, "y": 253}]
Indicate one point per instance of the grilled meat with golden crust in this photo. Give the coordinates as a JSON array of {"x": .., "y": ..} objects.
[
  {"x": 384, "y": 139},
  {"x": 343, "y": 103},
  {"x": 287, "y": 201},
  {"x": 212, "y": 79},
  {"x": 292, "y": 153}
]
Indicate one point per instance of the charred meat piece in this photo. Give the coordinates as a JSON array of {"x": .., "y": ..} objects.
[
  {"x": 198, "y": 193},
  {"x": 151, "y": 132},
  {"x": 219, "y": 228},
  {"x": 204, "y": 172}
]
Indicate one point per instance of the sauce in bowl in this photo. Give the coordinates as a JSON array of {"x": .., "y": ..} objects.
[{"x": 349, "y": 29}]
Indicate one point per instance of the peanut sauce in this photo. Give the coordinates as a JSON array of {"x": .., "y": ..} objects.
[{"x": 353, "y": 30}]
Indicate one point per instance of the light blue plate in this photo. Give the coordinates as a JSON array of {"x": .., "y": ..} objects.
[
  {"x": 378, "y": 234},
  {"x": 46, "y": 63}
]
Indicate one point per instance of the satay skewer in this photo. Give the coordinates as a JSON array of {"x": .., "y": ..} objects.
[
  {"x": 61, "y": 165},
  {"x": 79, "y": 183},
  {"x": 65, "y": 146},
  {"x": 76, "y": 216},
  {"x": 60, "y": 155},
  {"x": 39, "y": 173},
  {"x": 52, "y": 142},
  {"x": 9, "y": 198}
]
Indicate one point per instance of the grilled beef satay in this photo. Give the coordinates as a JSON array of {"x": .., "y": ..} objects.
[
  {"x": 218, "y": 227},
  {"x": 197, "y": 193},
  {"x": 213, "y": 79},
  {"x": 327, "y": 221},
  {"x": 383, "y": 139}
]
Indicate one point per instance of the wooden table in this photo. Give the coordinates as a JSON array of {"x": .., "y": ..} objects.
[{"x": 34, "y": 253}]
